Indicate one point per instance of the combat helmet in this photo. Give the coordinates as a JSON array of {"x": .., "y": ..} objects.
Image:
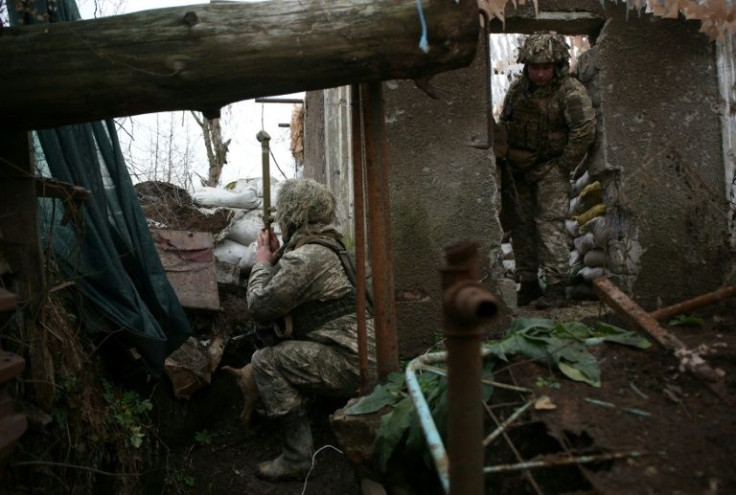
[
  {"x": 541, "y": 48},
  {"x": 303, "y": 202}
]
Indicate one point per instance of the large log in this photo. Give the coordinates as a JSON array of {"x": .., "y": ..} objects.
[{"x": 202, "y": 57}]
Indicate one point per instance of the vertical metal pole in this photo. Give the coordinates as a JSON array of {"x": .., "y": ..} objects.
[
  {"x": 265, "y": 139},
  {"x": 379, "y": 223},
  {"x": 356, "y": 121},
  {"x": 466, "y": 303}
]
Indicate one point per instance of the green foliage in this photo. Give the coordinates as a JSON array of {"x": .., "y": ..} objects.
[
  {"x": 543, "y": 382},
  {"x": 563, "y": 345},
  {"x": 127, "y": 410},
  {"x": 203, "y": 437},
  {"x": 685, "y": 321}
]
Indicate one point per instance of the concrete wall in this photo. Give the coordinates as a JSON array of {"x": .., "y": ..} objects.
[
  {"x": 662, "y": 147},
  {"x": 443, "y": 189},
  {"x": 659, "y": 154}
]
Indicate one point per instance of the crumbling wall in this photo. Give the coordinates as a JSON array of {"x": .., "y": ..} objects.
[{"x": 660, "y": 157}]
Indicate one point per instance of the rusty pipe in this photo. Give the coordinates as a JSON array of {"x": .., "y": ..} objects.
[
  {"x": 359, "y": 216},
  {"x": 379, "y": 228},
  {"x": 466, "y": 305},
  {"x": 694, "y": 303}
]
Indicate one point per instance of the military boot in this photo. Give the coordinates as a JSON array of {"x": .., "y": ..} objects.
[
  {"x": 554, "y": 297},
  {"x": 528, "y": 292},
  {"x": 297, "y": 449}
]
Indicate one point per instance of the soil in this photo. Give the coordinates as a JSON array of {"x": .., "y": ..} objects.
[{"x": 673, "y": 434}]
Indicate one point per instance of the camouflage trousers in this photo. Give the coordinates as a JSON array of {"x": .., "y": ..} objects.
[
  {"x": 540, "y": 239},
  {"x": 288, "y": 373}
]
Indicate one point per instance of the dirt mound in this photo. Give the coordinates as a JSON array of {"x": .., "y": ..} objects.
[{"x": 171, "y": 207}]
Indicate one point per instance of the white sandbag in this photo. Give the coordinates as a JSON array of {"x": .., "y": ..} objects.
[
  {"x": 247, "y": 198},
  {"x": 589, "y": 274},
  {"x": 584, "y": 243},
  {"x": 249, "y": 259},
  {"x": 595, "y": 258},
  {"x": 577, "y": 206},
  {"x": 575, "y": 257},
  {"x": 229, "y": 251},
  {"x": 572, "y": 227},
  {"x": 599, "y": 227},
  {"x": 244, "y": 227},
  {"x": 579, "y": 185}
]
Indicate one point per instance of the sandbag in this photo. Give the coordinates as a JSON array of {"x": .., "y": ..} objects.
[
  {"x": 230, "y": 252},
  {"x": 595, "y": 211},
  {"x": 246, "y": 199},
  {"x": 592, "y": 194},
  {"x": 580, "y": 184},
  {"x": 600, "y": 229},
  {"x": 589, "y": 274},
  {"x": 572, "y": 227},
  {"x": 584, "y": 243},
  {"x": 576, "y": 207},
  {"x": 595, "y": 258},
  {"x": 244, "y": 227},
  {"x": 575, "y": 257}
]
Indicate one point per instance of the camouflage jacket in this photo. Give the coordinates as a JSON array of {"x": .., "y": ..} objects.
[
  {"x": 552, "y": 122},
  {"x": 302, "y": 275}
]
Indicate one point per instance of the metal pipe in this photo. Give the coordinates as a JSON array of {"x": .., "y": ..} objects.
[
  {"x": 559, "y": 461},
  {"x": 694, "y": 303},
  {"x": 379, "y": 225},
  {"x": 359, "y": 217},
  {"x": 431, "y": 434},
  {"x": 466, "y": 304},
  {"x": 295, "y": 101}
]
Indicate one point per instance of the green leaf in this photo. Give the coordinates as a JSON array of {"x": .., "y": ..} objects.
[
  {"x": 577, "y": 374},
  {"x": 685, "y": 321},
  {"x": 522, "y": 325},
  {"x": 381, "y": 397},
  {"x": 618, "y": 335},
  {"x": 392, "y": 429}
]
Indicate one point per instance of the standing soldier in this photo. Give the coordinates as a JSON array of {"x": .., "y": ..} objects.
[
  {"x": 549, "y": 123},
  {"x": 303, "y": 298}
]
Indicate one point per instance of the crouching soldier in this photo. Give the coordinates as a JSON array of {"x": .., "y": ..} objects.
[{"x": 302, "y": 291}]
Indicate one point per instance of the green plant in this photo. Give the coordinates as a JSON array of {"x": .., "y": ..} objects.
[
  {"x": 203, "y": 437},
  {"x": 128, "y": 411},
  {"x": 544, "y": 382}
]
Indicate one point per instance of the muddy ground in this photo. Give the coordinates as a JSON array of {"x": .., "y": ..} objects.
[
  {"x": 671, "y": 434},
  {"x": 674, "y": 435}
]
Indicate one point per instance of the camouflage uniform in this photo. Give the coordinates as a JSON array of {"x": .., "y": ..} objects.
[
  {"x": 323, "y": 361},
  {"x": 307, "y": 287},
  {"x": 549, "y": 130}
]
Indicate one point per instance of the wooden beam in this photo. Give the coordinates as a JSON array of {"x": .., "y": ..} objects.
[{"x": 203, "y": 57}]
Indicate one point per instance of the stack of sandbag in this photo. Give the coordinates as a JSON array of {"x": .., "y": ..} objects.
[
  {"x": 235, "y": 245},
  {"x": 587, "y": 227}
]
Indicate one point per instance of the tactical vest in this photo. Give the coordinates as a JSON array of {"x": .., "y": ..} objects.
[
  {"x": 311, "y": 315},
  {"x": 535, "y": 121}
]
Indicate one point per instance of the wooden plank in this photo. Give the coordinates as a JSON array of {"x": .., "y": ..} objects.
[{"x": 203, "y": 57}]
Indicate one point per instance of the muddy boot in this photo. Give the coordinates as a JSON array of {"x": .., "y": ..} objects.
[
  {"x": 554, "y": 297},
  {"x": 529, "y": 291},
  {"x": 296, "y": 457}
]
